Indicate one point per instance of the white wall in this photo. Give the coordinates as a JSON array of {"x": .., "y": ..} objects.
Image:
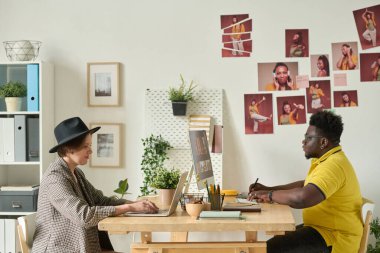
[{"x": 157, "y": 40}]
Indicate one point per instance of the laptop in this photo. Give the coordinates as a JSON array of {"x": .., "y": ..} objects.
[{"x": 173, "y": 205}]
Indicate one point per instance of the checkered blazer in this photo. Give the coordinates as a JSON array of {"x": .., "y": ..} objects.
[{"x": 68, "y": 212}]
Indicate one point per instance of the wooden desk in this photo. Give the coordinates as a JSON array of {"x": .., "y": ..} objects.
[{"x": 273, "y": 219}]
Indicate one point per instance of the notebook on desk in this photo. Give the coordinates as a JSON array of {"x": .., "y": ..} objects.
[
  {"x": 173, "y": 205},
  {"x": 242, "y": 207}
]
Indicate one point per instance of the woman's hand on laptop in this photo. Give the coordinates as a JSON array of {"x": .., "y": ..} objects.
[{"x": 143, "y": 206}]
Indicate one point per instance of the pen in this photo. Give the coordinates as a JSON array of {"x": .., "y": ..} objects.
[{"x": 253, "y": 187}]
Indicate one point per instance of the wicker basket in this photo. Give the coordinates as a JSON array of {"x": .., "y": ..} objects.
[{"x": 22, "y": 50}]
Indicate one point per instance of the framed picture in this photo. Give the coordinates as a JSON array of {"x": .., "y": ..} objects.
[
  {"x": 106, "y": 145},
  {"x": 103, "y": 84}
]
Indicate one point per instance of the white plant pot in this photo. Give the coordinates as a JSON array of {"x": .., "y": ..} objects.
[
  {"x": 13, "y": 104},
  {"x": 166, "y": 196}
]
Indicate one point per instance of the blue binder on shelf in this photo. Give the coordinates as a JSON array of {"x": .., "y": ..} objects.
[
  {"x": 32, "y": 78},
  {"x": 20, "y": 138}
]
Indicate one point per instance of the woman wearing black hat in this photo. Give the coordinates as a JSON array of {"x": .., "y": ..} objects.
[{"x": 69, "y": 207}]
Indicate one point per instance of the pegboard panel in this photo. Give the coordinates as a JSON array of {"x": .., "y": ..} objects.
[{"x": 160, "y": 121}]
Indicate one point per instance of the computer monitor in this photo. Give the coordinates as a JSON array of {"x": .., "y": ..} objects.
[{"x": 201, "y": 158}]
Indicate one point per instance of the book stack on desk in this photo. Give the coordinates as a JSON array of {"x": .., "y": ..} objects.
[{"x": 220, "y": 215}]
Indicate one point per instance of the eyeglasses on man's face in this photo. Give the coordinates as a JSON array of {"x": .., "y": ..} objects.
[{"x": 308, "y": 138}]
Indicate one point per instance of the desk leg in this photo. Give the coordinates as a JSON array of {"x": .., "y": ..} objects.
[
  {"x": 178, "y": 236},
  {"x": 146, "y": 237}
]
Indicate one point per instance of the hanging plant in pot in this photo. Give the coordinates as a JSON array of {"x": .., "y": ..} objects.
[
  {"x": 13, "y": 92},
  {"x": 180, "y": 96},
  {"x": 166, "y": 182}
]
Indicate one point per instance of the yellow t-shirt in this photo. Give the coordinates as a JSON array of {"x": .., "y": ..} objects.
[
  {"x": 354, "y": 59},
  {"x": 316, "y": 93},
  {"x": 239, "y": 28},
  {"x": 289, "y": 119},
  {"x": 254, "y": 109},
  {"x": 272, "y": 87},
  {"x": 352, "y": 103},
  {"x": 337, "y": 218}
]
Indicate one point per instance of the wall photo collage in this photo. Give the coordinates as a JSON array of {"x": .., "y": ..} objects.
[{"x": 328, "y": 70}]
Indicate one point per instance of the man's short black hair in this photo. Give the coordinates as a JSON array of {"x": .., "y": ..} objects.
[{"x": 330, "y": 125}]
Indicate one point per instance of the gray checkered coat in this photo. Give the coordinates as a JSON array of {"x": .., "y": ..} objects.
[{"x": 68, "y": 212}]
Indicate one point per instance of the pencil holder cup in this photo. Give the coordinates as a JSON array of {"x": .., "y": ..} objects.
[
  {"x": 216, "y": 201},
  {"x": 207, "y": 206}
]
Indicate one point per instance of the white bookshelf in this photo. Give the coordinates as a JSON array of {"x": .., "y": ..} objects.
[{"x": 30, "y": 172}]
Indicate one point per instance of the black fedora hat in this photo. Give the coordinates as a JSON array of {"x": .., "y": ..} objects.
[{"x": 70, "y": 129}]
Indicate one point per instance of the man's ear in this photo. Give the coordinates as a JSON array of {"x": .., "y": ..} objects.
[{"x": 324, "y": 142}]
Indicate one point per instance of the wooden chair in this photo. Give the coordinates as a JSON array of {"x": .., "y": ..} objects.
[
  {"x": 26, "y": 228},
  {"x": 367, "y": 210}
]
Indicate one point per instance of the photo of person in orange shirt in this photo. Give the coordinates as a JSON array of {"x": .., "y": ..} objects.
[
  {"x": 281, "y": 79},
  {"x": 291, "y": 110},
  {"x": 347, "y": 98},
  {"x": 258, "y": 111},
  {"x": 346, "y": 101},
  {"x": 255, "y": 114},
  {"x": 318, "y": 96},
  {"x": 348, "y": 59}
]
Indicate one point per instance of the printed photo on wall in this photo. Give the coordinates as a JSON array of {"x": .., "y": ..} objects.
[
  {"x": 297, "y": 43},
  {"x": 291, "y": 110},
  {"x": 106, "y": 145},
  {"x": 318, "y": 96},
  {"x": 320, "y": 66},
  {"x": 345, "y": 56},
  {"x": 346, "y": 98},
  {"x": 370, "y": 67},
  {"x": 258, "y": 112},
  {"x": 367, "y": 20},
  {"x": 236, "y": 38},
  {"x": 277, "y": 76}
]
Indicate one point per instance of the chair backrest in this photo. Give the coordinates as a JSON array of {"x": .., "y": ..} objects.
[
  {"x": 26, "y": 228},
  {"x": 367, "y": 210}
]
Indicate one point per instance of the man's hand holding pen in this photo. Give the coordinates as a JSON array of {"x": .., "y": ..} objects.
[{"x": 259, "y": 192}]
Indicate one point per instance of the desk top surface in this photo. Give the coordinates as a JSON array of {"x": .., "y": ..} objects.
[{"x": 273, "y": 217}]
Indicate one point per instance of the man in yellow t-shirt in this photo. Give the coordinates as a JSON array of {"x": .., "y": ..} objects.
[{"x": 329, "y": 196}]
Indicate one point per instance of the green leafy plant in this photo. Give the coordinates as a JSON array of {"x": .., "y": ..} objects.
[
  {"x": 155, "y": 154},
  {"x": 123, "y": 187},
  {"x": 13, "y": 89},
  {"x": 166, "y": 179},
  {"x": 375, "y": 230},
  {"x": 183, "y": 93}
]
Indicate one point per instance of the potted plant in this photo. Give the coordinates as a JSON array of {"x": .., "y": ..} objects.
[
  {"x": 155, "y": 154},
  {"x": 123, "y": 187},
  {"x": 180, "y": 96},
  {"x": 13, "y": 93},
  {"x": 375, "y": 230},
  {"x": 166, "y": 182}
]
